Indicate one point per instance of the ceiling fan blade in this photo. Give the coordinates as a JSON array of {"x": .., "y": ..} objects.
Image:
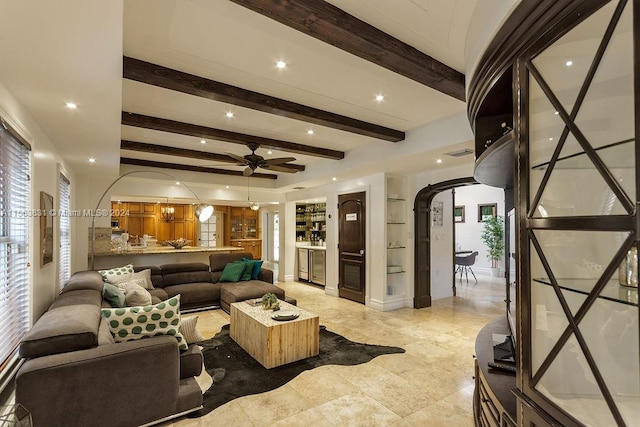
[
  {"x": 247, "y": 172},
  {"x": 280, "y": 168},
  {"x": 241, "y": 160},
  {"x": 279, "y": 160}
]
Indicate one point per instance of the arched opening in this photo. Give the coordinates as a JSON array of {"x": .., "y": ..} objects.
[{"x": 422, "y": 232}]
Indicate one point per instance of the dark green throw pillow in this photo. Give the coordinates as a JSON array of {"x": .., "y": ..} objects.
[
  {"x": 248, "y": 269},
  {"x": 257, "y": 265},
  {"x": 233, "y": 271},
  {"x": 114, "y": 295}
]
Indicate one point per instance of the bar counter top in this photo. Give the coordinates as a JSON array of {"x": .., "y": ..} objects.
[{"x": 167, "y": 250}]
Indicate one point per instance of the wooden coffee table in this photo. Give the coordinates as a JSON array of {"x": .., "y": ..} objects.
[{"x": 272, "y": 342}]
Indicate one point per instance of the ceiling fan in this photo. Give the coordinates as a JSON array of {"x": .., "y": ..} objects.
[{"x": 254, "y": 161}]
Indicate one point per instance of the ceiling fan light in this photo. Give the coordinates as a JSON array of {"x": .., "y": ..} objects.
[
  {"x": 204, "y": 212},
  {"x": 254, "y": 206}
]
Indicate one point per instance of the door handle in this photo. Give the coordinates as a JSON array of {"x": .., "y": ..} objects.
[{"x": 361, "y": 251}]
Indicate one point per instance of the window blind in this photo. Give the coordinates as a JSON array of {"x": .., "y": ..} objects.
[
  {"x": 64, "y": 254},
  {"x": 15, "y": 219}
]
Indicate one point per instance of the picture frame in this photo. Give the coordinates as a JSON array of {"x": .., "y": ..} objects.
[
  {"x": 437, "y": 209},
  {"x": 458, "y": 213},
  {"x": 487, "y": 211},
  {"x": 46, "y": 228}
]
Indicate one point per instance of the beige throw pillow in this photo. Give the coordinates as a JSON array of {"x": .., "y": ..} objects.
[
  {"x": 144, "y": 275},
  {"x": 137, "y": 295},
  {"x": 189, "y": 330}
]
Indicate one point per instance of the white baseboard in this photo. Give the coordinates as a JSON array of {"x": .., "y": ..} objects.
[
  {"x": 389, "y": 305},
  {"x": 288, "y": 278},
  {"x": 331, "y": 291}
]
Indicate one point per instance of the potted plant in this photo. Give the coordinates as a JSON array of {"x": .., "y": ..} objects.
[{"x": 493, "y": 237}]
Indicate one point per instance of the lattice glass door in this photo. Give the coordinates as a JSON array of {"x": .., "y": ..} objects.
[{"x": 211, "y": 231}]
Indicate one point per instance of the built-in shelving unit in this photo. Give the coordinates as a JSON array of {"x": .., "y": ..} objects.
[
  {"x": 396, "y": 235},
  {"x": 311, "y": 222}
]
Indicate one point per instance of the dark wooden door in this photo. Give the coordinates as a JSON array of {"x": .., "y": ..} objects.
[{"x": 351, "y": 246}]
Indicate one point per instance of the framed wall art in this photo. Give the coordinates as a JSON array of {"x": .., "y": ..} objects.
[{"x": 437, "y": 208}]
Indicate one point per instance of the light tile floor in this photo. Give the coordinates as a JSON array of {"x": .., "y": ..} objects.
[{"x": 429, "y": 385}]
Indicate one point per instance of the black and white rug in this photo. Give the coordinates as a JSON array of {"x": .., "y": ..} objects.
[{"x": 235, "y": 373}]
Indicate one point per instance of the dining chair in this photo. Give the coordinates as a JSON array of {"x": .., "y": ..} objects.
[{"x": 463, "y": 265}]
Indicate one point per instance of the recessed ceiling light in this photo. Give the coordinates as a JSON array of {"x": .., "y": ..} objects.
[
  {"x": 281, "y": 64},
  {"x": 556, "y": 113},
  {"x": 203, "y": 141},
  {"x": 569, "y": 63},
  {"x": 229, "y": 115},
  {"x": 269, "y": 152},
  {"x": 92, "y": 160},
  {"x": 334, "y": 179},
  {"x": 177, "y": 182},
  {"x": 310, "y": 132},
  {"x": 71, "y": 105},
  {"x": 550, "y": 138},
  {"x": 226, "y": 186},
  {"x": 438, "y": 161},
  {"x": 380, "y": 98}
]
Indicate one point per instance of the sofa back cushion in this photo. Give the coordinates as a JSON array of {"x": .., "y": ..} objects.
[
  {"x": 83, "y": 280},
  {"x": 62, "y": 329},
  {"x": 218, "y": 262},
  {"x": 177, "y": 274}
]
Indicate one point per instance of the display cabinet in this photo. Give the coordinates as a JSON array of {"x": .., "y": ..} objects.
[
  {"x": 575, "y": 71},
  {"x": 244, "y": 230}
]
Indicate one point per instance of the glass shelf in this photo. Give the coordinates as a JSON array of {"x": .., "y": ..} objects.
[
  {"x": 618, "y": 154},
  {"x": 396, "y": 247},
  {"x": 397, "y": 272},
  {"x": 391, "y": 199},
  {"x": 396, "y": 223},
  {"x": 613, "y": 291}
]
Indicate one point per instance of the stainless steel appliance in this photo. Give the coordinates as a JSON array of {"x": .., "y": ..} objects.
[
  {"x": 303, "y": 264},
  {"x": 317, "y": 264}
]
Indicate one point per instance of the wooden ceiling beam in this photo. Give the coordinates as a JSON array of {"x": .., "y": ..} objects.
[
  {"x": 182, "y": 167},
  {"x": 157, "y": 75},
  {"x": 172, "y": 126},
  {"x": 326, "y": 22},
  {"x": 183, "y": 152}
]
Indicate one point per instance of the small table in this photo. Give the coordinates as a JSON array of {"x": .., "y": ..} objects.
[{"x": 272, "y": 342}]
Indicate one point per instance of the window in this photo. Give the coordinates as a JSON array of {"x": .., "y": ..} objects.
[
  {"x": 15, "y": 196},
  {"x": 64, "y": 255}
]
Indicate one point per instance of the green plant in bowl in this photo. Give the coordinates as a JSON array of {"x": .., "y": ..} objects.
[{"x": 270, "y": 301}]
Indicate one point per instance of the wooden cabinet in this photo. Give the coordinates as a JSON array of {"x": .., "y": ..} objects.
[
  {"x": 140, "y": 218},
  {"x": 254, "y": 246}
]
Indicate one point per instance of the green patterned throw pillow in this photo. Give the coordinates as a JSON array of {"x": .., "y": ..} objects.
[
  {"x": 112, "y": 274},
  {"x": 132, "y": 323}
]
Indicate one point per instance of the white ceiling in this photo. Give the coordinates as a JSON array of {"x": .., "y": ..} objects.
[{"x": 72, "y": 50}]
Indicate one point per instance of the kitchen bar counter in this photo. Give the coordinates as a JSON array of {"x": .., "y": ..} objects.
[
  {"x": 315, "y": 248},
  {"x": 154, "y": 256}
]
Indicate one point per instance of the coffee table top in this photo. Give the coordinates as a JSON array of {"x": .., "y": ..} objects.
[{"x": 264, "y": 316}]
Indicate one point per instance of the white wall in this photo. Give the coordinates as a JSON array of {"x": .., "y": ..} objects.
[
  {"x": 46, "y": 164},
  {"x": 468, "y": 233}
]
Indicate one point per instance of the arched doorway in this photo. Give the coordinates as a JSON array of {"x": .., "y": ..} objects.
[{"x": 422, "y": 232}]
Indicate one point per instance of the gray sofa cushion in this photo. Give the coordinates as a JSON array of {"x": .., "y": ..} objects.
[
  {"x": 83, "y": 280},
  {"x": 160, "y": 294},
  {"x": 242, "y": 291},
  {"x": 194, "y": 293},
  {"x": 217, "y": 262},
  {"x": 83, "y": 296},
  {"x": 191, "y": 361},
  {"x": 63, "y": 329},
  {"x": 176, "y": 274}
]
